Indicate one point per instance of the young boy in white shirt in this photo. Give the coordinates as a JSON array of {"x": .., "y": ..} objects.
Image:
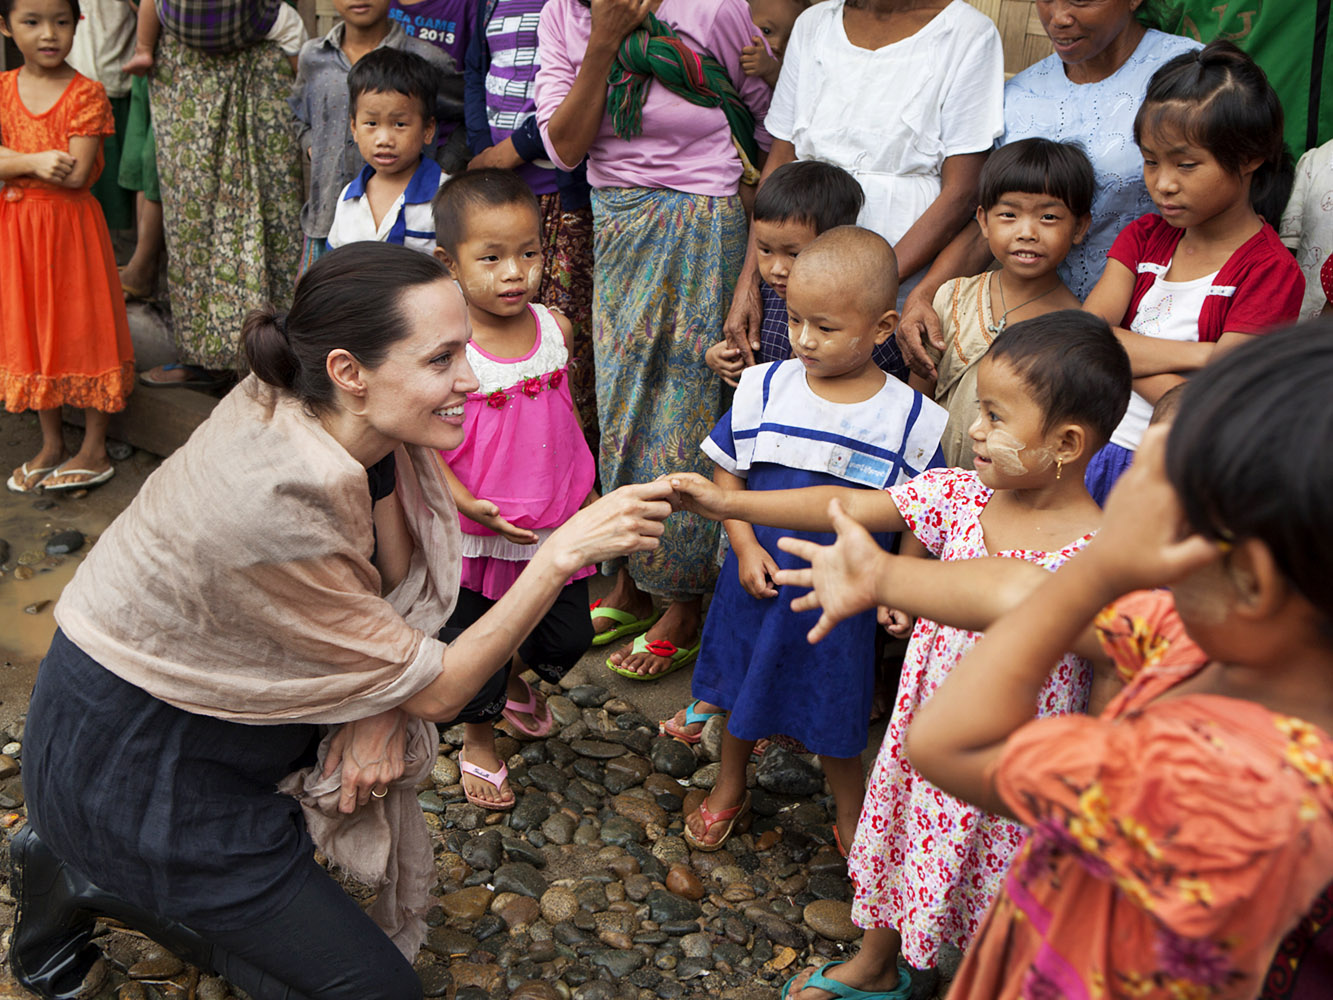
[{"x": 391, "y": 94}]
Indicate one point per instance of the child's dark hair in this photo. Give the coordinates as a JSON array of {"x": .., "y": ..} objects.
[
  {"x": 461, "y": 193},
  {"x": 1248, "y": 453},
  {"x": 386, "y": 70},
  {"x": 1075, "y": 367},
  {"x": 1168, "y": 405},
  {"x": 821, "y": 194},
  {"x": 7, "y": 7},
  {"x": 350, "y": 298},
  {"x": 1218, "y": 98},
  {"x": 1039, "y": 166}
]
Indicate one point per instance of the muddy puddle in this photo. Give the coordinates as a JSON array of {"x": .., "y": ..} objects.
[{"x": 30, "y": 579}]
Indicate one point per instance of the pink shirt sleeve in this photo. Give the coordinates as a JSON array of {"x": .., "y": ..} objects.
[
  {"x": 933, "y": 503},
  {"x": 557, "y": 72}
]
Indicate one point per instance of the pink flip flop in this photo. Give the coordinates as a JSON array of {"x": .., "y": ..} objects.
[
  {"x": 515, "y": 710},
  {"x": 493, "y": 778}
]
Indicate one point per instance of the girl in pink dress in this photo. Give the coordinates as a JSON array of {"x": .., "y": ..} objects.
[
  {"x": 524, "y": 466},
  {"x": 926, "y": 865}
]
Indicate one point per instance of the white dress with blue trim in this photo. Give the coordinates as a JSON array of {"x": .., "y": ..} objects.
[{"x": 754, "y": 660}]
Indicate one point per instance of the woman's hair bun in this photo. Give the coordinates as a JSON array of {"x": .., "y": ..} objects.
[{"x": 267, "y": 349}]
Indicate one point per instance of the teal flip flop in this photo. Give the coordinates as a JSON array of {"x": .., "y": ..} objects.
[
  {"x": 692, "y": 716},
  {"x": 658, "y": 647},
  {"x": 627, "y": 624},
  {"x": 819, "y": 981}
]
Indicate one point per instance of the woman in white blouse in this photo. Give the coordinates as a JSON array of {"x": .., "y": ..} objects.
[{"x": 908, "y": 98}]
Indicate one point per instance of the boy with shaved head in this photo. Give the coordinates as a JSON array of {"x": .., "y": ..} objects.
[{"x": 828, "y": 416}]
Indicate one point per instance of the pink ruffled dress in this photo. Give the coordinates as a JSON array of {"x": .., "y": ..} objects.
[{"x": 524, "y": 451}]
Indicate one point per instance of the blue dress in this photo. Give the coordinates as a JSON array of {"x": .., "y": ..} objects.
[{"x": 755, "y": 660}]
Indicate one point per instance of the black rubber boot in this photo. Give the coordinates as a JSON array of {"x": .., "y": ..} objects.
[{"x": 51, "y": 951}]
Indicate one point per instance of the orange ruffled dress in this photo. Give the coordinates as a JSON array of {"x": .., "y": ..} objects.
[
  {"x": 1174, "y": 840},
  {"x": 64, "y": 338}
]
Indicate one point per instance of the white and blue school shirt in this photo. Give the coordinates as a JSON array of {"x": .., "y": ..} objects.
[
  {"x": 776, "y": 418},
  {"x": 408, "y": 223}
]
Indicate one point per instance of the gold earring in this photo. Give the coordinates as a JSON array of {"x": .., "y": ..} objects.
[{"x": 1059, "y": 468}]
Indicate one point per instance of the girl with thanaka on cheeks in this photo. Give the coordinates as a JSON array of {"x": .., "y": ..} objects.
[
  {"x": 1175, "y": 838},
  {"x": 925, "y": 865},
  {"x": 827, "y": 416},
  {"x": 1206, "y": 272},
  {"x": 524, "y": 466}
]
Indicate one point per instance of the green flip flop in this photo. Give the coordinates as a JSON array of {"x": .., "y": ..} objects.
[
  {"x": 658, "y": 647},
  {"x": 626, "y": 626}
]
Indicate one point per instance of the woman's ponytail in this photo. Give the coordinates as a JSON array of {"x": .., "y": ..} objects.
[{"x": 267, "y": 349}]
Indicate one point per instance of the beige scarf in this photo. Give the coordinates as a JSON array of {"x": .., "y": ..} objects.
[{"x": 239, "y": 585}]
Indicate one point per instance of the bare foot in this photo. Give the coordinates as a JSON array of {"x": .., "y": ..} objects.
[
  {"x": 139, "y": 64},
  {"x": 678, "y": 625},
  {"x": 624, "y": 596},
  {"x": 479, "y": 789}
]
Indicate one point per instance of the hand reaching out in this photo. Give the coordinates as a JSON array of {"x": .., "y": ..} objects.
[
  {"x": 1143, "y": 541},
  {"x": 697, "y": 494},
  {"x": 842, "y": 575}
]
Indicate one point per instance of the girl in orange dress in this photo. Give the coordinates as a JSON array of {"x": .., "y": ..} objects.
[{"x": 64, "y": 339}]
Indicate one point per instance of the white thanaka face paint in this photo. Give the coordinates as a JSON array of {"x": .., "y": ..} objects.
[
  {"x": 534, "y": 277},
  {"x": 799, "y": 335},
  {"x": 1004, "y": 451}
]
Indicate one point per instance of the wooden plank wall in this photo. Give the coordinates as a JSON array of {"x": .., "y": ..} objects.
[{"x": 1024, "y": 40}]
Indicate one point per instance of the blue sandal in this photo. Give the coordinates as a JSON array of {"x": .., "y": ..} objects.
[
  {"x": 667, "y": 727},
  {"x": 819, "y": 981}
]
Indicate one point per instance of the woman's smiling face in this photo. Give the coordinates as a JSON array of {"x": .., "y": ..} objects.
[
  {"x": 1083, "y": 29},
  {"x": 416, "y": 395}
]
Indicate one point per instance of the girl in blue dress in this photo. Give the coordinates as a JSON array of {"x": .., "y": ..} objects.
[{"x": 828, "y": 416}]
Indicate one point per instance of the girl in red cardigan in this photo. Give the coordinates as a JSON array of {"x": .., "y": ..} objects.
[{"x": 1206, "y": 272}]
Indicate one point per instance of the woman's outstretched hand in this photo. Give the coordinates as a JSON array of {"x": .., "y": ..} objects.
[
  {"x": 1143, "y": 541},
  {"x": 624, "y": 521},
  {"x": 370, "y": 752},
  {"x": 842, "y": 575}
]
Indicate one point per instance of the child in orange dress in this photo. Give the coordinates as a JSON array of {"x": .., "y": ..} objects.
[{"x": 64, "y": 338}]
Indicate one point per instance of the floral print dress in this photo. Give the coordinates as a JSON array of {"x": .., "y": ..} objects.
[
  {"x": 1174, "y": 840},
  {"x": 926, "y": 863}
]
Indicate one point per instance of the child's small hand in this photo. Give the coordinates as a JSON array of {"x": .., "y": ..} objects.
[
  {"x": 756, "y": 60},
  {"x": 486, "y": 513},
  {"x": 897, "y": 623},
  {"x": 756, "y": 571},
  {"x": 697, "y": 494},
  {"x": 51, "y": 165},
  {"x": 1143, "y": 541},
  {"x": 726, "y": 360}
]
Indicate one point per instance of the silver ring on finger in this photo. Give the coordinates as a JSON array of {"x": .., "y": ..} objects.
[{"x": 378, "y": 793}]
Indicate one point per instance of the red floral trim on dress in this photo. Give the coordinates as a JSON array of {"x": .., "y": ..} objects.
[
  {"x": 530, "y": 387},
  {"x": 107, "y": 392}
]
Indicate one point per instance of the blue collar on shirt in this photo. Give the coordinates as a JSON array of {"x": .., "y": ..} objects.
[{"x": 421, "y": 188}]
